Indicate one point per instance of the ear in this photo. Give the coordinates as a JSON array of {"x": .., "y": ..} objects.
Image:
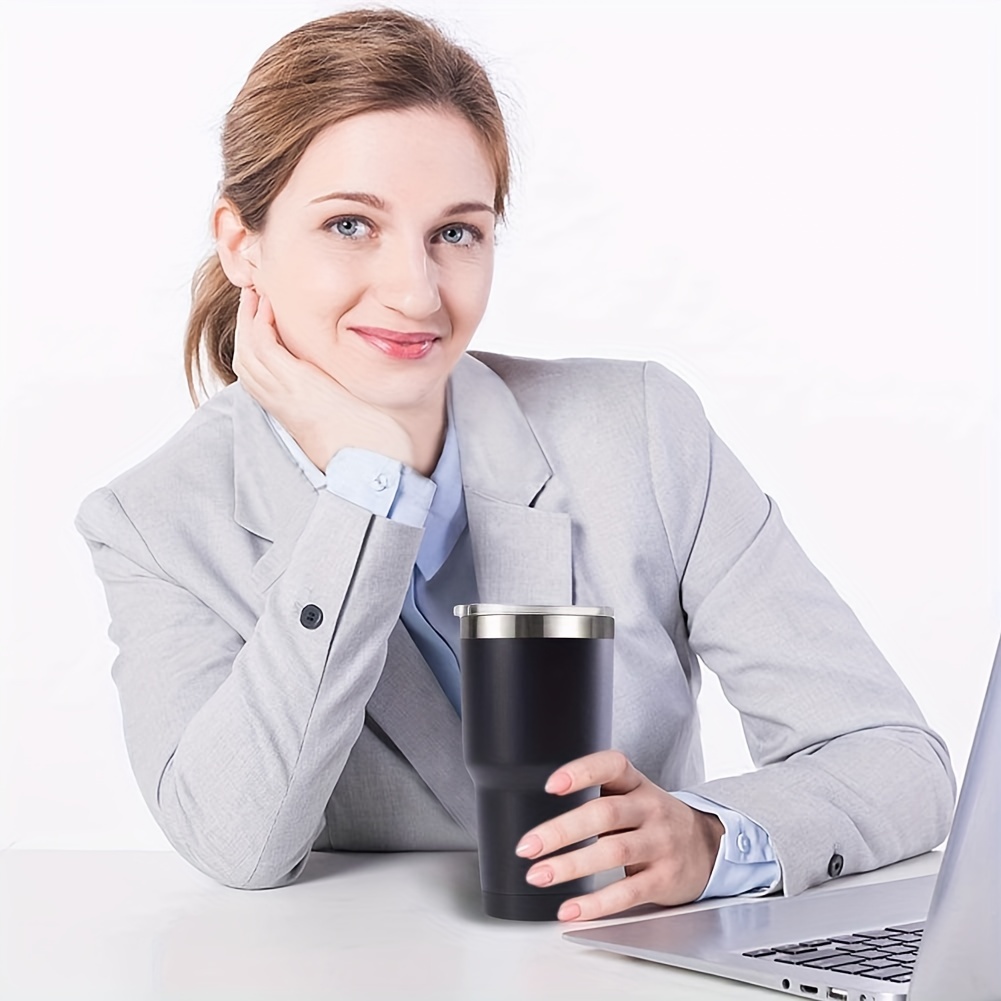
[{"x": 235, "y": 244}]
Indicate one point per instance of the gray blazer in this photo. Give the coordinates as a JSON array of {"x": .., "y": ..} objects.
[{"x": 592, "y": 482}]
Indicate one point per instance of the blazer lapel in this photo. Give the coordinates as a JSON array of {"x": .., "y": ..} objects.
[
  {"x": 409, "y": 705},
  {"x": 522, "y": 555},
  {"x": 273, "y": 497}
]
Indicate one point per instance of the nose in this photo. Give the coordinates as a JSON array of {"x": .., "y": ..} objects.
[{"x": 407, "y": 281}]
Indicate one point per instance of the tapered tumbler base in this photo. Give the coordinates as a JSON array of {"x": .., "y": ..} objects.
[{"x": 523, "y": 906}]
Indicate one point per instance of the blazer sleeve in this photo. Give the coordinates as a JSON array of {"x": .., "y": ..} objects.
[
  {"x": 850, "y": 777},
  {"x": 237, "y": 741}
]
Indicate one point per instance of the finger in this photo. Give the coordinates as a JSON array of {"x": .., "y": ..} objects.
[
  {"x": 243, "y": 335},
  {"x": 251, "y": 369},
  {"x": 612, "y": 770},
  {"x": 249, "y": 300},
  {"x": 263, "y": 355},
  {"x": 289, "y": 369},
  {"x": 245, "y": 310},
  {"x": 591, "y": 819},
  {"x": 264, "y": 330},
  {"x": 266, "y": 313},
  {"x": 617, "y": 896},
  {"x": 626, "y": 848}
]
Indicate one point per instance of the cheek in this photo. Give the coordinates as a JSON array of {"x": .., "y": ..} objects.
[
  {"x": 310, "y": 296},
  {"x": 466, "y": 290},
  {"x": 323, "y": 280},
  {"x": 307, "y": 272}
]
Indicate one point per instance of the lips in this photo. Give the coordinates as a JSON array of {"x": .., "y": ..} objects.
[{"x": 398, "y": 343}]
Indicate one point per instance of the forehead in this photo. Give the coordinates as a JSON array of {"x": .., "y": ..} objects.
[{"x": 416, "y": 157}]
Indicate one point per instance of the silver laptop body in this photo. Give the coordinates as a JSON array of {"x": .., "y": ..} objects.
[{"x": 958, "y": 955}]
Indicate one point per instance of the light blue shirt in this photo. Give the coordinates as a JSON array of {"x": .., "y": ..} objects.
[{"x": 444, "y": 576}]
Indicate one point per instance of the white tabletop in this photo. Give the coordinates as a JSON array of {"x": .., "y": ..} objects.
[{"x": 145, "y": 925}]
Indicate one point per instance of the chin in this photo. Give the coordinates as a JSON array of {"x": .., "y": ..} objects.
[{"x": 380, "y": 389}]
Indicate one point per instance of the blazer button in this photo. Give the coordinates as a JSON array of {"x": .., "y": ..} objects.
[
  {"x": 311, "y": 616},
  {"x": 835, "y": 866}
]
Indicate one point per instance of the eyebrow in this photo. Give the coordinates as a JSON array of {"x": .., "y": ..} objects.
[{"x": 377, "y": 203}]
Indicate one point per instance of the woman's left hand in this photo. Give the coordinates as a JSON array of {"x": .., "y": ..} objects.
[{"x": 667, "y": 848}]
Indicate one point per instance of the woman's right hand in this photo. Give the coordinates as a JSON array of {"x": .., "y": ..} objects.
[{"x": 320, "y": 414}]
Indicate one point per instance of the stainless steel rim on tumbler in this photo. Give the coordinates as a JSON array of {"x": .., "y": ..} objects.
[
  {"x": 549, "y": 621},
  {"x": 536, "y": 693}
]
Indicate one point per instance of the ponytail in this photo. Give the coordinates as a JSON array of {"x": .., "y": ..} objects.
[{"x": 211, "y": 326}]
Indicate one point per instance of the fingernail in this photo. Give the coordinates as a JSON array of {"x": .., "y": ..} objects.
[
  {"x": 569, "y": 911},
  {"x": 558, "y": 782},
  {"x": 540, "y": 877},
  {"x": 532, "y": 845}
]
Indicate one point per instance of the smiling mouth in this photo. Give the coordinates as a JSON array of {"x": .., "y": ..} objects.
[{"x": 398, "y": 344}]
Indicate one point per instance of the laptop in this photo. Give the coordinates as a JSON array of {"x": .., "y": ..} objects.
[{"x": 924, "y": 938}]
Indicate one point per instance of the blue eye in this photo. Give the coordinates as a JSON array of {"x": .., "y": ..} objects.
[
  {"x": 460, "y": 235},
  {"x": 350, "y": 227}
]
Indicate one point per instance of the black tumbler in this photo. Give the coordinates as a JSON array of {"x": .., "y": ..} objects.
[{"x": 536, "y": 693}]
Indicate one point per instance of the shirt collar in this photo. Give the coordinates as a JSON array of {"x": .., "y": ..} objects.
[{"x": 315, "y": 476}]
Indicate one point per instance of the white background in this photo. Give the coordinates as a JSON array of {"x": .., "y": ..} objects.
[{"x": 793, "y": 205}]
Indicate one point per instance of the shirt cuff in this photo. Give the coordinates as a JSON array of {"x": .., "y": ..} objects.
[
  {"x": 745, "y": 862},
  {"x": 413, "y": 498},
  {"x": 384, "y": 486}
]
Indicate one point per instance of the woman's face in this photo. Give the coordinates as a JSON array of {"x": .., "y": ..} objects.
[{"x": 377, "y": 255}]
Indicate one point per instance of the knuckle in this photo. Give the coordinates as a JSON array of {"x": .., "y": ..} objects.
[
  {"x": 564, "y": 867},
  {"x": 633, "y": 891},
  {"x": 618, "y": 851},
  {"x": 553, "y": 836},
  {"x": 586, "y": 770},
  {"x": 620, "y": 763},
  {"x": 607, "y": 813},
  {"x": 671, "y": 868}
]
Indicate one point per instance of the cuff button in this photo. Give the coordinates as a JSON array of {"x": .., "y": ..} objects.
[
  {"x": 835, "y": 866},
  {"x": 311, "y": 616}
]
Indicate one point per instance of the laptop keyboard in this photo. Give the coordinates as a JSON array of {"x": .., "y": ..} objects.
[{"x": 883, "y": 954}]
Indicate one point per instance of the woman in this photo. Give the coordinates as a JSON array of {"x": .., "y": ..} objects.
[{"x": 281, "y": 574}]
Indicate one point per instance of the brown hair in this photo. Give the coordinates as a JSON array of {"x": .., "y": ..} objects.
[{"x": 322, "y": 73}]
